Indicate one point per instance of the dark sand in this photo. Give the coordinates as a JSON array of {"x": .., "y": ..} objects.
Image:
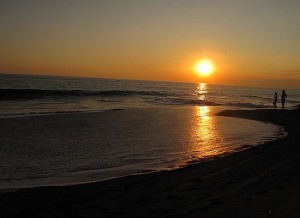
[{"x": 259, "y": 182}]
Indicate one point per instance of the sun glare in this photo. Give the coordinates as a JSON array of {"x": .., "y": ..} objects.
[{"x": 204, "y": 67}]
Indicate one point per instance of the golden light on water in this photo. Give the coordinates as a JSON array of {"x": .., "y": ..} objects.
[
  {"x": 202, "y": 90},
  {"x": 202, "y": 112},
  {"x": 206, "y": 132},
  {"x": 204, "y": 124}
]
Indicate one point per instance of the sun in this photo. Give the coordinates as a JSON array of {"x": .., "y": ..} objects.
[{"x": 204, "y": 67}]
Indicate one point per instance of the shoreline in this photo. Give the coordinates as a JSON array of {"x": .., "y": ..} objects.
[{"x": 255, "y": 182}]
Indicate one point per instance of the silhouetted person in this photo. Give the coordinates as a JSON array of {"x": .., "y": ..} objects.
[
  {"x": 283, "y": 97},
  {"x": 275, "y": 100}
]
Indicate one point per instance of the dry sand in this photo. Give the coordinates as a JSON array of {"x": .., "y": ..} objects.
[{"x": 259, "y": 182}]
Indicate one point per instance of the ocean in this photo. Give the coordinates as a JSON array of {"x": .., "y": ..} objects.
[
  {"x": 59, "y": 130},
  {"x": 22, "y": 95}
]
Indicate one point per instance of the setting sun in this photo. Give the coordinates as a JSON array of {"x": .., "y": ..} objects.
[{"x": 204, "y": 67}]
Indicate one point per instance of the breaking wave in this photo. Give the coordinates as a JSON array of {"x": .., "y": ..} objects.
[{"x": 29, "y": 94}]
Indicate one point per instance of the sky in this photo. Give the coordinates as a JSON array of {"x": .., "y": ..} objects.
[{"x": 251, "y": 42}]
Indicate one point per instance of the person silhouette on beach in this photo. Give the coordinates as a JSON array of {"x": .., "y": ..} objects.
[
  {"x": 275, "y": 100},
  {"x": 283, "y": 97}
]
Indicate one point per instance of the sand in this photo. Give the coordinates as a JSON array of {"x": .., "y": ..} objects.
[{"x": 262, "y": 181}]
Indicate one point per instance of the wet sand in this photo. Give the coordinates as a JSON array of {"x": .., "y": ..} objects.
[{"x": 259, "y": 182}]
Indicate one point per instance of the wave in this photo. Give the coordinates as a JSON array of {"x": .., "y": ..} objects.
[
  {"x": 36, "y": 113},
  {"x": 248, "y": 105},
  {"x": 30, "y": 94},
  {"x": 292, "y": 101},
  {"x": 116, "y": 96},
  {"x": 188, "y": 101},
  {"x": 39, "y": 113},
  {"x": 251, "y": 96},
  {"x": 198, "y": 102}
]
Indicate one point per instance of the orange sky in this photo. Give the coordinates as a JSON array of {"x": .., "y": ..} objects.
[{"x": 252, "y": 43}]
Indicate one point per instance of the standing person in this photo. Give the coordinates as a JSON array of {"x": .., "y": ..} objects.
[
  {"x": 275, "y": 100},
  {"x": 283, "y": 97}
]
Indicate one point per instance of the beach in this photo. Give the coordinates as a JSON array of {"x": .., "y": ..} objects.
[
  {"x": 258, "y": 182},
  {"x": 144, "y": 109}
]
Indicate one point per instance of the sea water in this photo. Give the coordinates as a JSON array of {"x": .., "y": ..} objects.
[
  {"x": 33, "y": 95},
  {"x": 142, "y": 126}
]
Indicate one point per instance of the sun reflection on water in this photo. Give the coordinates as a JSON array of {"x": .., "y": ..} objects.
[
  {"x": 204, "y": 126},
  {"x": 201, "y": 91},
  {"x": 205, "y": 133}
]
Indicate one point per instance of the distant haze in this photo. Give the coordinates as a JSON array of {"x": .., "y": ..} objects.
[{"x": 252, "y": 42}]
